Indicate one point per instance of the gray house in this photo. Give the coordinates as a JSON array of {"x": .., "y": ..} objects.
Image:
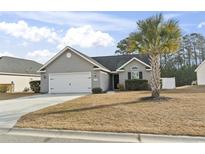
[
  {"x": 18, "y": 72},
  {"x": 71, "y": 71}
]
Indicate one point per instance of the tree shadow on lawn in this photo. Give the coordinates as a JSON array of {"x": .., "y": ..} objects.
[{"x": 138, "y": 101}]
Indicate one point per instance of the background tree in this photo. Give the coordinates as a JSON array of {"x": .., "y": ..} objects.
[
  {"x": 154, "y": 37},
  {"x": 182, "y": 63}
]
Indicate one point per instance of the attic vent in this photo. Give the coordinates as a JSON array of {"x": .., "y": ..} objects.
[{"x": 68, "y": 55}]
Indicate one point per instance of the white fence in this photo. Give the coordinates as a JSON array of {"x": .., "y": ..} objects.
[{"x": 168, "y": 83}]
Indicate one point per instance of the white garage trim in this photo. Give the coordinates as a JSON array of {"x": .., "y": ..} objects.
[
  {"x": 19, "y": 74},
  {"x": 75, "y": 82}
]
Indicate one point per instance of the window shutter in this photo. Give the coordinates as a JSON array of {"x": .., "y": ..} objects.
[
  {"x": 140, "y": 75},
  {"x": 129, "y": 75}
]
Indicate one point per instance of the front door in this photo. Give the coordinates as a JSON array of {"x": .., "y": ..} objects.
[{"x": 116, "y": 80}]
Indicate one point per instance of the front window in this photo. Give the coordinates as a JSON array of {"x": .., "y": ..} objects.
[{"x": 135, "y": 73}]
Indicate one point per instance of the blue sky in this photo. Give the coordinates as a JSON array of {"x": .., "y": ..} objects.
[{"x": 39, "y": 35}]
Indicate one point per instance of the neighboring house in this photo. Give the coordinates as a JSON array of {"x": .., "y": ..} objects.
[
  {"x": 200, "y": 72},
  {"x": 71, "y": 71},
  {"x": 18, "y": 72}
]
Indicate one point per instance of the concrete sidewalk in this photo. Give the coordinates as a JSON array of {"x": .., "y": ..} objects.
[{"x": 88, "y": 136}]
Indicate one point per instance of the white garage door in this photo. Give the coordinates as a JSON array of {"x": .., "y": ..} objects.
[{"x": 79, "y": 82}]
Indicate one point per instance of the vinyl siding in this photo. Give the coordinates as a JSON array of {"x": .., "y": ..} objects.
[
  {"x": 201, "y": 75},
  {"x": 142, "y": 68},
  {"x": 104, "y": 81},
  {"x": 68, "y": 65}
]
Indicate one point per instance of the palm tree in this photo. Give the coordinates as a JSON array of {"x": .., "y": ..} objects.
[{"x": 154, "y": 37}]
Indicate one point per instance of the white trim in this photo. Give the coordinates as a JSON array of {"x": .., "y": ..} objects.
[
  {"x": 134, "y": 58},
  {"x": 96, "y": 69},
  {"x": 68, "y": 73},
  {"x": 120, "y": 71},
  {"x": 41, "y": 71},
  {"x": 69, "y": 48},
  {"x": 49, "y": 91},
  {"x": 19, "y": 74},
  {"x": 113, "y": 72},
  {"x": 103, "y": 72},
  {"x": 200, "y": 66},
  {"x": 134, "y": 70}
]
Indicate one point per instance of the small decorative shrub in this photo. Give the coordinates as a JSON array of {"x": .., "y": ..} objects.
[
  {"x": 35, "y": 86},
  {"x": 97, "y": 90},
  {"x": 26, "y": 89},
  {"x": 120, "y": 87},
  {"x": 136, "y": 84},
  {"x": 4, "y": 88}
]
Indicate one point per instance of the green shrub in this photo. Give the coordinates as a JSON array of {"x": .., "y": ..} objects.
[
  {"x": 35, "y": 86},
  {"x": 97, "y": 90},
  {"x": 136, "y": 84},
  {"x": 4, "y": 88},
  {"x": 120, "y": 87}
]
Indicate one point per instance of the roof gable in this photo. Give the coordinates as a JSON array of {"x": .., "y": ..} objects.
[
  {"x": 198, "y": 68},
  {"x": 13, "y": 65},
  {"x": 133, "y": 59},
  {"x": 79, "y": 54},
  {"x": 115, "y": 62}
]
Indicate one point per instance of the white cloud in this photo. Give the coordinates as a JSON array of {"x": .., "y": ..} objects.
[
  {"x": 31, "y": 33},
  {"x": 40, "y": 55},
  {"x": 202, "y": 24},
  {"x": 24, "y": 44},
  {"x": 6, "y": 54},
  {"x": 98, "y": 20},
  {"x": 86, "y": 37}
]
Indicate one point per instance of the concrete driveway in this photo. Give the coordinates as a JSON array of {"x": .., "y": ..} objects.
[{"x": 12, "y": 110}]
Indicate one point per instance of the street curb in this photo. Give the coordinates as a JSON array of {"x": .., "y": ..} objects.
[
  {"x": 106, "y": 136},
  {"x": 86, "y": 135},
  {"x": 154, "y": 138}
]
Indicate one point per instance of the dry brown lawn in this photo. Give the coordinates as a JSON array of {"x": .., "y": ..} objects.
[
  {"x": 183, "y": 114},
  {"x": 6, "y": 96}
]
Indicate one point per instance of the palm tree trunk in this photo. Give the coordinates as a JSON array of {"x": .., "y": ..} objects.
[{"x": 155, "y": 75}]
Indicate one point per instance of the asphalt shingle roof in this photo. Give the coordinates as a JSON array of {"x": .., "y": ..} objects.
[
  {"x": 114, "y": 62},
  {"x": 18, "y": 65}
]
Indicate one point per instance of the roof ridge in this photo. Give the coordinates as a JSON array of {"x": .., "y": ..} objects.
[{"x": 118, "y": 55}]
